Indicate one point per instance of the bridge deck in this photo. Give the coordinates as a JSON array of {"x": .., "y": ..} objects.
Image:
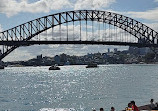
[{"x": 27, "y": 43}]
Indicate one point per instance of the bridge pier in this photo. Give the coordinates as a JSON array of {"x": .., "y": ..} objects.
[
  {"x": 1, "y": 63},
  {"x": 155, "y": 51}
]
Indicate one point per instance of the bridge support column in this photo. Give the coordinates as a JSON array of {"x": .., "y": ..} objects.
[
  {"x": 0, "y": 59},
  {"x": 1, "y": 63},
  {"x": 155, "y": 51}
]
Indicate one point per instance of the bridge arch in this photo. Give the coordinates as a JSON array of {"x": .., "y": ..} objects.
[{"x": 28, "y": 30}]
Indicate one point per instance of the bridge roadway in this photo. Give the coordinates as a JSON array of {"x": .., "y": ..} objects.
[{"x": 28, "y": 43}]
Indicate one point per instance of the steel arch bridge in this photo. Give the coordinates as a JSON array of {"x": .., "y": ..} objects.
[{"x": 22, "y": 35}]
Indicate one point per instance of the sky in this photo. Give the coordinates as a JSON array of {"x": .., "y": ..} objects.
[{"x": 16, "y": 12}]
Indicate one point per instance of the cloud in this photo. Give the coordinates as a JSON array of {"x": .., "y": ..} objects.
[
  {"x": 73, "y": 33},
  {"x": 13, "y": 7},
  {"x": 93, "y": 4},
  {"x": 153, "y": 25},
  {"x": 19, "y": 54},
  {"x": 148, "y": 15}
]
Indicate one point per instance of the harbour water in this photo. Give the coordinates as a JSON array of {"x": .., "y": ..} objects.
[{"x": 76, "y": 87}]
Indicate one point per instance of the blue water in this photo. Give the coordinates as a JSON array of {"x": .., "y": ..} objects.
[{"x": 78, "y": 88}]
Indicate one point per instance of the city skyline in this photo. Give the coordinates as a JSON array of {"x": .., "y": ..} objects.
[
  {"x": 133, "y": 55},
  {"x": 27, "y": 10}
]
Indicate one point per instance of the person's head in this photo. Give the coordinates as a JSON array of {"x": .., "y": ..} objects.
[
  {"x": 133, "y": 102},
  {"x": 152, "y": 100},
  {"x": 112, "y": 109},
  {"x": 129, "y": 105},
  {"x": 101, "y": 109}
]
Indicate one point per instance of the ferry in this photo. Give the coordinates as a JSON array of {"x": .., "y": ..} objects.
[
  {"x": 54, "y": 67},
  {"x": 1, "y": 67},
  {"x": 92, "y": 65}
]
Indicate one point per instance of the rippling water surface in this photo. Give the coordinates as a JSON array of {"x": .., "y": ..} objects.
[{"x": 77, "y": 88}]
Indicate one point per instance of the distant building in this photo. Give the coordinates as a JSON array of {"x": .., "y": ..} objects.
[
  {"x": 133, "y": 50},
  {"x": 39, "y": 57},
  {"x": 90, "y": 55},
  {"x": 67, "y": 63},
  {"x": 63, "y": 58},
  {"x": 47, "y": 61},
  {"x": 115, "y": 50},
  {"x": 105, "y": 56},
  {"x": 139, "y": 51},
  {"x": 57, "y": 59},
  {"x": 108, "y": 50},
  {"x": 144, "y": 51}
]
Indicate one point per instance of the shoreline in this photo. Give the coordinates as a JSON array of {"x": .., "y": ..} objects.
[{"x": 18, "y": 65}]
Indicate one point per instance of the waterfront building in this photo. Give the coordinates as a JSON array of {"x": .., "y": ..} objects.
[
  {"x": 39, "y": 57},
  {"x": 115, "y": 50},
  {"x": 48, "y": 61},
  {"x": 57, "y": 59},
  {"x": 133, "y": 50},
  {"x": 139, "y": 51},
  {"x": 67, "y": 63},
  {"x": 108, "y": 50},
  {"x": 63, "y": 58}
]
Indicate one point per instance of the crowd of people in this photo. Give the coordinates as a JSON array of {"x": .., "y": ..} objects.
[
  {"x": 101, "y": 109},
  {"x": 133, "y": 107}
]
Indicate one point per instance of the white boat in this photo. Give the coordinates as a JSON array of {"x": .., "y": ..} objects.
[
  {"x": 1, "y": 67},
  {"x": 54, "y": 67}
]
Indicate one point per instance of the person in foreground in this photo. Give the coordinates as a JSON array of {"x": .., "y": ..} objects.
[
  {"x": 129, "y": 108},
  {"x": 134, "y": 107},
  {"x": 112, "y": 109},
  {"x": 101, "y": 109},
  {"x": 152, "y": 105}
]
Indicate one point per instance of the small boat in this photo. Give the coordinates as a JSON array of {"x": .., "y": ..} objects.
[
  {"x": 1, "y": 67},
  {"x": 92, "y": 65},
  {"x": 54, "y": 67}
]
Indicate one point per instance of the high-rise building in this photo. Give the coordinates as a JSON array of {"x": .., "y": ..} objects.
[
  {"x": 140, "y": 51},
  {"x": 108, "y": 50},
  {"x": 57, "y": 59},
  {"x": 39, "y": 57},
  {"x": 115, "y": 50}
]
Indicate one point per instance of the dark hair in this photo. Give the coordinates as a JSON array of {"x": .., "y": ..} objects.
[
  {"x": 129, "y": 104},
  {"x": 152, "y": 100},
  {"x": 112, "y": 108},
  {"x": 133, "y": 102},
  {"x": 101, "y": 109}
]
